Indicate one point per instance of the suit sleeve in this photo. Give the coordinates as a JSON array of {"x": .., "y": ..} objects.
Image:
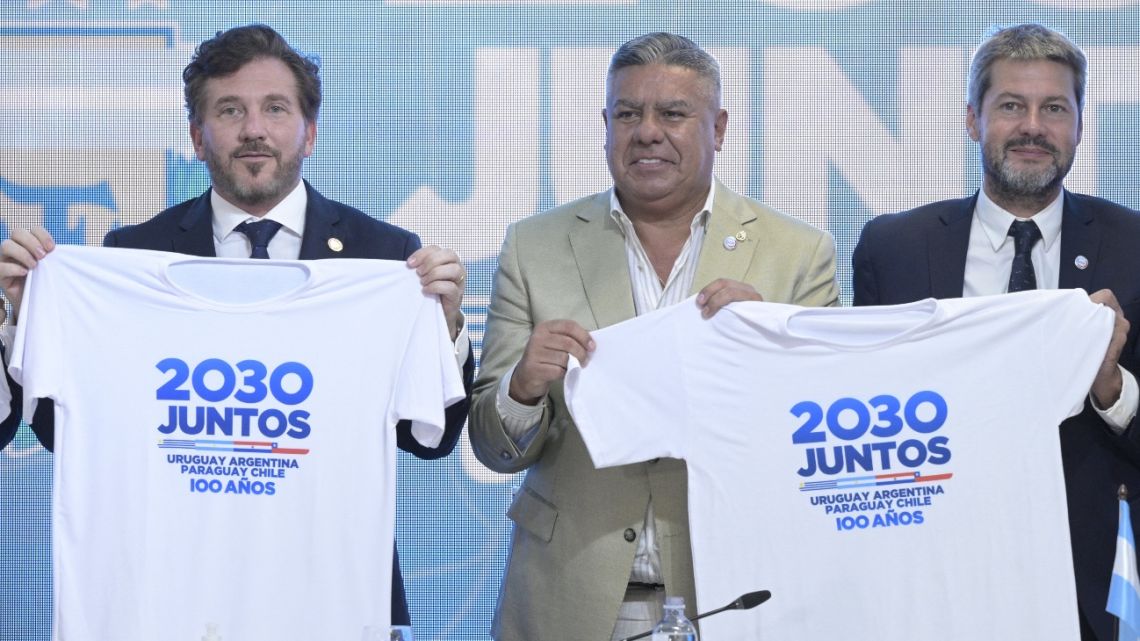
[
  {"x": 43, "y": 420},
  {"x": 509, "y": 326},
  {"x": 817, "y": 286},
  {"x": 1119, "y": 263},
  {"x": 1130, "y": 361},
  {"x": 10, "y": 410},
  {"x": 863, "y": 283}
]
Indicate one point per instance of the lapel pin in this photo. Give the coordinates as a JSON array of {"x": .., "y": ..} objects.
[
  {"x": 1081, "y": 262},
  {"x": 742, "y": 236},
  {"x": 335, "y": 244},
  {"x": 729, "y": 243}
]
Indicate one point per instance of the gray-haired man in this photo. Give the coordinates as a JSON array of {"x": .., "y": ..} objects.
[
  {"x": 595, "y": 550},
  {"x": 1023, "y": 230}
]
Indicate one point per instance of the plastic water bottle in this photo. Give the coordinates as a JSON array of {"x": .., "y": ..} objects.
[{"x": 674, "y": 626}]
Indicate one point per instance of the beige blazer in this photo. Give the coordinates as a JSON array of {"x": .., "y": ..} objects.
[{"x": 576, "y": 527}]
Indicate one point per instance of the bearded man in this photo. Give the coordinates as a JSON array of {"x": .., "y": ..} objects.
[{"x": 1021, "y": 231}]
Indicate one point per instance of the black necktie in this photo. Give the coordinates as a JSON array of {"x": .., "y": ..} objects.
[
  {"x": 259, "y": 233},
  {"x": 1025, "y": 234}
]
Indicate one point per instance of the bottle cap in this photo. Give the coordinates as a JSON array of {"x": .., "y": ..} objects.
[{"x": 675, "y": 602}]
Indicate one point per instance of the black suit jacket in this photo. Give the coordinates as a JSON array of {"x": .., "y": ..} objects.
[
  {"x": 921, "y": 253},
  {"x": 188, "y": 229},
  {"x": 9, "y": 425}
]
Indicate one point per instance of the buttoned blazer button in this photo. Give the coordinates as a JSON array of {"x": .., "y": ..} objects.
[{"x": 629, "y": 534}]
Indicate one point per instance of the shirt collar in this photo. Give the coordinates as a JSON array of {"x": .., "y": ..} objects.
[
  {"x": 290, "y": 212},
  {"x": 626, "y": 225},
  {"x": 995, "y": 221}
]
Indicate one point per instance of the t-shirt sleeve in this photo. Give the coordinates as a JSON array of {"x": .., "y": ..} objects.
[
  {"x": 36, "y": 353},
  {"x": 629, "y": 401},
  {"x": 428, "y": 379}
]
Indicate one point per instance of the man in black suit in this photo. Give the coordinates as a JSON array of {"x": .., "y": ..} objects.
[
  {"x": 1023, "y": 230},
  {"x": 252, "y": 102}
]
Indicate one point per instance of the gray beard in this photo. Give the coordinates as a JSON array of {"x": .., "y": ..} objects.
[
  {"x": 1032, "y": 188},
  {"x": 1024, "y": 184}
]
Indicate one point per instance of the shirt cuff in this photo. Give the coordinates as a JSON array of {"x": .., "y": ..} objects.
[
  {"x": 519, "y": 420},
  {"x": 462, "y": 346},
  {"x": 1120, "y": 415}
]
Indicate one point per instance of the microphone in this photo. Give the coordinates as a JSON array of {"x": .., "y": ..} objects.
[{"x": 744, "y": 602}]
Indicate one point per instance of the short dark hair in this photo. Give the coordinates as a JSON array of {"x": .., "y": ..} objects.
[
  {"x": 230, "y": 50},
  {"x": 1029, "y": 41},
  {"x": 667, "y": 49}
]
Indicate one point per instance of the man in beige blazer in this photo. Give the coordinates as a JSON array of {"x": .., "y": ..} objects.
[{"x": 594, "y": 551}]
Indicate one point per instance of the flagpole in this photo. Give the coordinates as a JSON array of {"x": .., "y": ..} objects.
[{"x": 1121, "y": 495}]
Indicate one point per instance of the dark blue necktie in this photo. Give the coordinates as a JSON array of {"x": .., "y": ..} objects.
[
  {"x": 259, "y": 232},
  {"x": 1025, "y": 234}
]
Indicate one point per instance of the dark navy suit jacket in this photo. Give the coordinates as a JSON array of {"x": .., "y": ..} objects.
[
  {"x": 921, "y": 253},
  {"x": 188, "y": 229},
  {"x": 9, "y": 425}
]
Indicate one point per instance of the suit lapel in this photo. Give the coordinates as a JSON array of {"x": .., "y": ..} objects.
[
  {"x": 729, "y": 218},
  {"x": 197, "y": 237},
  {"x": 197, "y": 229},
  {"x": 599, "y": 251},
  {"x": 947, "y": 244},
  {"x": 1079, "y": 237},
  {"x": 320, "y": 226}
]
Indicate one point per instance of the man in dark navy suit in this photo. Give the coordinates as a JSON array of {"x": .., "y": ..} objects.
[
  {"x": 252, "y": 102},
  {"x": 1023, "y": 230}
]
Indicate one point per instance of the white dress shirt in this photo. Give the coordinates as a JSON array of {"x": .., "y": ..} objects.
[
  {"x": 649, "y": 293},
  {"x": 988, "y": 261},
  {"x": 285, "y": 244}
]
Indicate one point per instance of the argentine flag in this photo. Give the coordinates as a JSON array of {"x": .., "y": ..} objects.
[{"x": 1124, "y": 592}]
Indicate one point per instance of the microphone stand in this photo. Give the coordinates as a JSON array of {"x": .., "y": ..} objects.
[{"x": 744, "y": 602}]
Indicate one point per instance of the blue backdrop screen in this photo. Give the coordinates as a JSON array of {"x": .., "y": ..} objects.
[{"x": 454, "y": 118}]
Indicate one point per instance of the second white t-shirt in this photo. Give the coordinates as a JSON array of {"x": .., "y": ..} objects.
[{"x": 889, "y": 473}]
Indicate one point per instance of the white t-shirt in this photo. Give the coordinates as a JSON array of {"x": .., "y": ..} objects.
[
  {"x": 889, "y": 473},
  {"x": 226, "y": 455}
]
